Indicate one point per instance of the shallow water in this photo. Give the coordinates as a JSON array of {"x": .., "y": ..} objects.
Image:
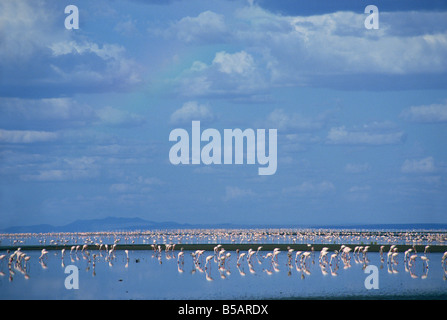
[
  {"x": 149, "y": 275},
  {"x": 215, "y": 236}
]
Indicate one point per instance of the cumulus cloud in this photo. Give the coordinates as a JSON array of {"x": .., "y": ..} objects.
[
  {"x": 24, "y": 29},
  {"x": 190, "y": 111},
  {"x": 115, "y": 70},
  {"x": 316, "y": 50},
  {"x": 207, "y": 27},
  {"x": 39, "y": 58},
  {"x": 239, "y": 62},
  {"x": 230, "y": 75},
  {"x": 337, "y": 43}
]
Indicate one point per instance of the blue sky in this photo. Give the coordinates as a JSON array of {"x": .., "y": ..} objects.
[{"x": 85, "y": 114}]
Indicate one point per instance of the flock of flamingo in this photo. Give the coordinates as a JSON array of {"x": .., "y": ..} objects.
[
  {"x": 250, "y": 236},
  {"x": 301, "y": 261},
  {"x": 223, "y": 260}
]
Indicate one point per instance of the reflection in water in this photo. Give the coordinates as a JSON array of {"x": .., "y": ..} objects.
[
  {"x": 225, "y": 265},
  {"x": 221, "y": 260}
]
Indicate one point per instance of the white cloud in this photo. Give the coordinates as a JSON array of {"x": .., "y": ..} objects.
[
  {"x": 56, "y": 112},
  {"x": 230, "y": 75},
  {"x": 239, "y": 62},
  {"x": 25, "y": 27},
  {"x": 434, "y": 113},
  {"x": 313, "y": 50},
  {"x": 64, "y": 169},
  {"x": 207, "y": 26},
  {"x": 192, "y": 110},
  {"x": 283, "y": 121},
  {"x": 337, "y": 43},
  {"x": 39, "y": 58},
  {"x": 340, "y": 135},
  {"x": 117, "y": 66},
  {"x": 426, "y": 165},
  {"x": 26, "y": 136}
]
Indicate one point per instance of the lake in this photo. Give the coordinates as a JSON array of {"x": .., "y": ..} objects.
[{"x": 153, "y": 274}]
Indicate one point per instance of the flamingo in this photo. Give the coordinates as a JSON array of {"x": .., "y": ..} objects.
[
  {"x": 413, "y": 258},
  {"x": 269, "y": 255},
  {"x": 241, "y": 257},
  {"x": 2, "y": 257},
  {"x": 425, "y": 260},
  {"x": 250, "y": 253},
  {"x": 365, "y": 250},
  {"x": 394, "y": 256},
  {"x": 208, "y": 259},
  {"x": 444, "y": 257},
  {"x": 407, "y": 253},
  {"x": 208, "y": 277},
  {"x": 323, "y": 256},
  {"x": 216, "y": 248},
  {"x": 323, "y": 253},
  {"x": 305, "y": 256},
  {"x": 44, "y": 253},
  {"x": 180, "y": 256},
  {"x": 297, "y": 254},
  {"x": 276, "y": 251},
  {"x": 333, "y": 256}
]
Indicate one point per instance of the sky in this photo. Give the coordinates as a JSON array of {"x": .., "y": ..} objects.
[{"x": 86, "y": 114}]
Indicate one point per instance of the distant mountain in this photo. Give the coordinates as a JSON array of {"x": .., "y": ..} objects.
[
  {"x": 130, "y": 224},
  {"x": 105, "y": 224}
]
